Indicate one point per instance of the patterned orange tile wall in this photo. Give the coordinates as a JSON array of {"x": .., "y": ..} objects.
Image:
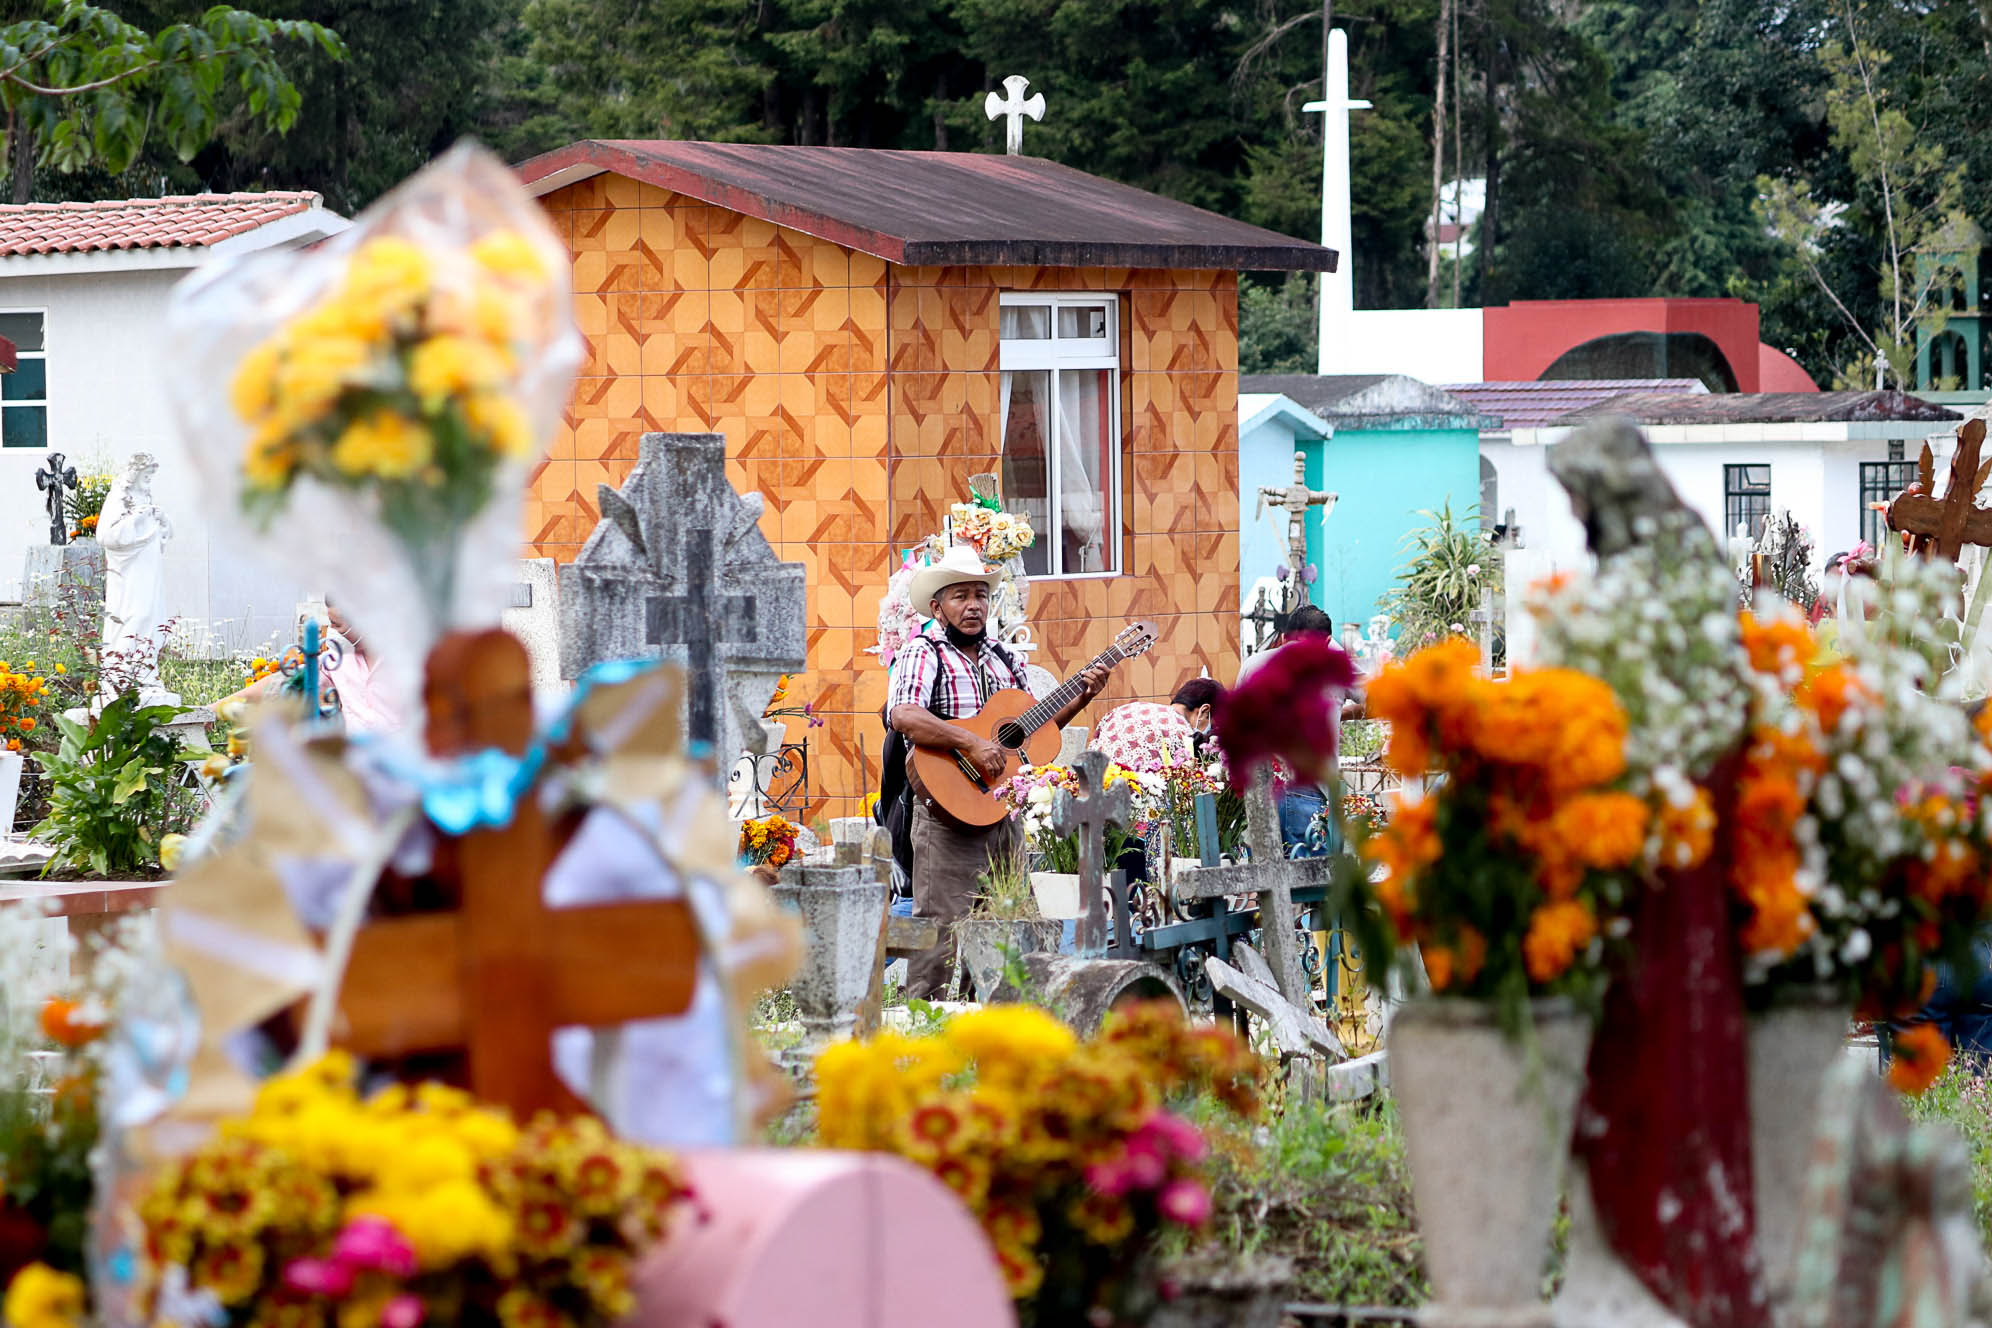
[{"x": 859, "y": 396}]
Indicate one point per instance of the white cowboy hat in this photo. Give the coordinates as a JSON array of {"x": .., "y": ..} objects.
[{"x": 958, "y": 564}]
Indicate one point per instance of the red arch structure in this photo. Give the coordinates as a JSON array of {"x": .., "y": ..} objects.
[{"x": 1523, "y": 339}]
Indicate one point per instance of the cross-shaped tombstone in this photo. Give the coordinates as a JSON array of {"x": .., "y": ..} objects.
[
  {"x": 55, "y": 480},
  {"x": 679, "y": 567},
  {"x": 1943, "y": 526},
  {"x": 1087, "y": 814},
  {"x": 1016, "y": 106},
  {"x": 1296, "y": 499}
]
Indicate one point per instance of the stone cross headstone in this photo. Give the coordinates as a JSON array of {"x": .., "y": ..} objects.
[
  {"x": 679, "y": 568},
  {"x": 1943, "y": 526},
  {"x": 1295, "y": 499},
  {"x": 55, "y": 480},
  {"x": 1016, "y": 106},
  {"x": 1087, "y": 814}
]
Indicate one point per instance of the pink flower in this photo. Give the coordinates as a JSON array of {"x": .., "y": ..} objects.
[
  {"x": 372, "y": 1242},
  {"x": 1145, "y": 1166},
  {"x": 1185, "y": 1202},
  {"x": 318, "y": 1277},
  {"x": 1109, "y": 1178},
  {"x": 1289, "y": 707},
  {"x": 1176, "y": 1136},
  {"x": 404, "y": 1311}
]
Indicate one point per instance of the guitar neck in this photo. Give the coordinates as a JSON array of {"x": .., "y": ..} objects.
[{"x": 1055, "y": 700}]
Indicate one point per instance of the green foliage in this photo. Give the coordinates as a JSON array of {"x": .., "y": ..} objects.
[
  {"x": 82, "y": 87},
  {"x": 112, "y": 790},
  {"x": 1962, "y": 1099},
  {"x": 1278, "y": 326},
  {"x": 1449, "y": 565},
  {"x": 87, "y": 499},
  {"x": 1326, "y": 1186},
  {"x": 1004, "y": 890},
  {"x": 45, "y": 1175}
]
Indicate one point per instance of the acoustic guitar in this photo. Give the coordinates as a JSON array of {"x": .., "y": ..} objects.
[{"x": 1021, "y": 725}]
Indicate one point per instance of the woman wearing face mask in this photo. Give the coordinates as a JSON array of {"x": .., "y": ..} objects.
[{"x": 1144, "y": 736}]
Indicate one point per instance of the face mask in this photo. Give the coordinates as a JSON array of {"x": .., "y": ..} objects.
[{"x": 961, "y": 640}]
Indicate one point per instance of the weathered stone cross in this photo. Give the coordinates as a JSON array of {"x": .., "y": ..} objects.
[
  {"x": 1016, "y": 106},
  {"x": 52, "y": 479},
  {"x": 700, "y": 619},
  {"x": 1943, "y": 526},
  {"x": 1296, "y": 498},
  {"x": 1087, "y": 813}
]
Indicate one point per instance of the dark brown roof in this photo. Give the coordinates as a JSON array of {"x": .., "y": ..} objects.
[
  {"x": 940, "y": 208},
  {"x": 1765, "y": 408},
  {"x": 1532, "y": 404}
]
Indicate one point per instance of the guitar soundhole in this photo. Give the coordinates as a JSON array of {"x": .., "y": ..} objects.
[{"x": 1011, "y": 736}]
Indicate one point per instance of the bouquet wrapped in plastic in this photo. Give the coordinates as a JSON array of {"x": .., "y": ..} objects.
[{"x": 368, "y": 412}]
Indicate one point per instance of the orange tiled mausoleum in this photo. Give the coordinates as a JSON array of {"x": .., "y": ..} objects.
[{"x": 859, "y": 394}]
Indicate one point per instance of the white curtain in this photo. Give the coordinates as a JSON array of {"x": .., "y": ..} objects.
[
  {"x": 1082, "y": 486},
  {"x": 1032, "y": 500}
]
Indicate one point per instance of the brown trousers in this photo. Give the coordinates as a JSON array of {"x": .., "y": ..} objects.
[{"x": 947, "y": 858}]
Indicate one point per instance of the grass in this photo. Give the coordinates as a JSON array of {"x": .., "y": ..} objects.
[
  {"x": 1962, "y": 1098},
  {"x": 1326, "y": 1187}
]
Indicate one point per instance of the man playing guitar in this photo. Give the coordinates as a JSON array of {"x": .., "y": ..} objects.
[{"x": 946, "y": 673}]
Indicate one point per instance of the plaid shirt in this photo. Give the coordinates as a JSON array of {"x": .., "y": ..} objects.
[{"x": 964, "y": 683}]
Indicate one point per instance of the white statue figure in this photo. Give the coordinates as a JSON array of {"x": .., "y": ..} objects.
[{"x": 133, "y": 533}]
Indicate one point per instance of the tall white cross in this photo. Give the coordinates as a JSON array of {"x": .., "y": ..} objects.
[
  {"x": 1016, "y": 106},
  {"x": 1338, "y": 288}
]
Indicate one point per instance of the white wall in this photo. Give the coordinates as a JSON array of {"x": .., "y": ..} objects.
[
  {"x": 107, "y": 370},
  {"x": 1431, "y": 345}
]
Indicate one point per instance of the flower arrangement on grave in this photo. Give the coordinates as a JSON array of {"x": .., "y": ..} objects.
[
  {"x": 86, "y": 503},
  {"x": 1031, "y": 793},
  {"x": 984, "y": 526},
  {"x": 48, "y": 1127},
  {"x": 768, "y": 841},
  {"x": 1182, "y": 783},
  {"x": 779, "y": 708},
  {"x": 23, "y": 696},
  {"x": 1067, "y": 1151},
  {"x": 411, "y": 1206}
]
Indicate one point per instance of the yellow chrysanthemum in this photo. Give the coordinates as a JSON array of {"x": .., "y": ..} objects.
[
  {"x": 500, "y": 420},
  {"x": 447, "y": 366},
  {"x": 511, "y": 256},
  {"x": 253, "y": 390},
  {"x": 313, "y": 374},
  {"x": 40, "y": 1297},
  {"x": 384, "y": 444},
  {"x": 388, "y": 272}
]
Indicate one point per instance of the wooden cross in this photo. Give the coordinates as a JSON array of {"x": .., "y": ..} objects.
[
  {"x": 1296, "y": 499},
  {"x": 491, "y": 979},
  {"x": 1943, "y": 526},
  {"x": 700, "y": 619},
  {"x": 1087, "y": 814},
  {"x": 52, "y": 479}
]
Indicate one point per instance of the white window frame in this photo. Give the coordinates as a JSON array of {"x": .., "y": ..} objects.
[
  {"x": 42, "y": 355},
  {"x": 1094, "y": 353}
]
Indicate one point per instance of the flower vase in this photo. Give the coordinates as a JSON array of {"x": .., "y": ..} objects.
[
  {"x": 1790, "y": 1046},
  {"x": 1487, "y": 1123},
  {"x": 1057, "y": 894}
]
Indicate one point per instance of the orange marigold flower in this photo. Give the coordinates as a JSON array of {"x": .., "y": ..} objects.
[
  {"x": 1557, "y": 932},
  {"x": 1777, "y": 645},
  {"x": 1602, "y": 830},
  {"x": 62, "y": 1023},
  {"x": 1829, "y": 694},
  {"x": 1459, "y": 963},
  {"x": 1918, "y": 1055},
  {"x": 1687, "y": 833}
]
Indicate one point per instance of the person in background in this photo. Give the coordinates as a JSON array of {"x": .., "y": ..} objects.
[
  {"x": 364, "y": 699},
  {"x": 1301, "y": 804},
  {"x": 1144, "y": 736}
]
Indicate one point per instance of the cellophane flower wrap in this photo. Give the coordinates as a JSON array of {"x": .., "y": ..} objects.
[
  {"x": 1070, "y": 1153},
  {"x": 412, "y": 1206},
  {"x": 369, "y": 411}
]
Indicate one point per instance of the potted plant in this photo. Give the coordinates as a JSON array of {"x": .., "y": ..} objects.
[
  {"x": 1004, "y": 925},
  {"x": 1505, "y": 878},
  {"x": 1053, "y": 857},
  {"x": 1069, "y": 1153}
]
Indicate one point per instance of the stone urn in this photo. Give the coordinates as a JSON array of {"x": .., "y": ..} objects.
[
  {"x": 1790, "y": 1047},
  {"x": 985, "y": 946},
  {"x": 843, "y": 924},
  {"x": 1487, "y": 1124}
]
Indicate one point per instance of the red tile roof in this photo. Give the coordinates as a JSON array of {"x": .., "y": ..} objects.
[
  {"x": 1533, "y": 404},
  {"x": 939, "y": 208},
  {"x": 141, "y": 223}
]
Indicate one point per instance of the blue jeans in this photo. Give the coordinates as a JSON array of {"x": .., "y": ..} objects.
[
  {"x": 1961, "y": 1006},
  {"x": 1298, "y": 809}
]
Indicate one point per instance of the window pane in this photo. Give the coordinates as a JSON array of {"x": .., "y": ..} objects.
[
  {"x": 24, "y": 426},
  {"x": 27, "y": 383},
  {"x": 1026, "y": 322},
  {"x": 1084, "y": 321},
  {"x": 1027, "y": 455},
  {"x": 1085, "y": 470},
  {"x": 24, "y": 330}
]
